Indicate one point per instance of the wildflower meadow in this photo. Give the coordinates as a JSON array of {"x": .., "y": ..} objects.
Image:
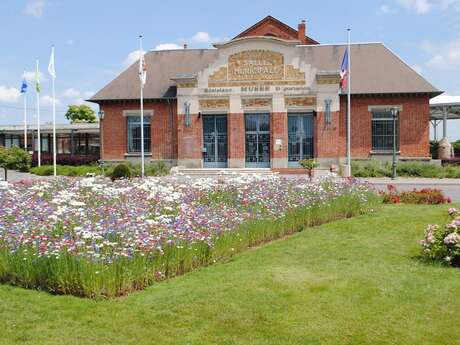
[{"x": 91, "y": 237}]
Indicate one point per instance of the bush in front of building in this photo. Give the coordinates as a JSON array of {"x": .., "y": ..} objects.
[
  {"x": 442, "y": 243},
  {"x": 375, "y": 168},
  {"x": 121, "y": 171},
  {"x": 66, "y": 170},
  {"x": 15, "y": 158}
]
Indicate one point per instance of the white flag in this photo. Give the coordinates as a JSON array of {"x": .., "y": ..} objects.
[
  {"x": 51, "y": 69},
  {"x": 142, "y": 69}
]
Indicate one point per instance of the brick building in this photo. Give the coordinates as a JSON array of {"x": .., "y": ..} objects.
[{"x": 267, "y": 98}]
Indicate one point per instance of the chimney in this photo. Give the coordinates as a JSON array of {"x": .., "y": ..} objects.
[{"x": 302, "y": 33}]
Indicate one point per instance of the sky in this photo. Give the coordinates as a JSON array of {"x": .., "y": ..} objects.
[{"x": 97, "y": 39}]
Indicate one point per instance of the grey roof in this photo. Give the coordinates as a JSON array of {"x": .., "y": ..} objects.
[
  {"x": 162, "y": 66},
  {"x": 375, "y": 70}
]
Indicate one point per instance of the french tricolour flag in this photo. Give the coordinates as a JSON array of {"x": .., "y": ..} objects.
[{"x": 344, "y": 71}]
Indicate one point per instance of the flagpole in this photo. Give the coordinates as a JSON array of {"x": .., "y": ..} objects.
[
  {"x": 53, "y": 78},
  {"x": 348, "y": 173},
  {"x": 25, "y": 117},
  {"x": 39, "y": 153},
  {"x": 142, "y": 107}
]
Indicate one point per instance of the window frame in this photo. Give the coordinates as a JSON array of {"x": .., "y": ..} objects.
[
  {"x": 385, "y": 121},
  {"x": 147, "y": 122}
]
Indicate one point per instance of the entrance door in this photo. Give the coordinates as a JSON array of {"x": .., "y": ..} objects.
[
  {"x": 257, "y": 140},
  {"x": 300, "y": 132},
  {"x": 215, "y": 141}
]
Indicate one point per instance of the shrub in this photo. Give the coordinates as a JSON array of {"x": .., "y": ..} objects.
[
  {"x": 66, "y": 170},
  {"x": 375, "y": 168},
  {"x": 442, "y": 243},
  {"x": 120, "y": 171},
  {"x": 157, "y": 169},
  {"x": 425, "y": 196},
  {"x": 14, "y": 158}
]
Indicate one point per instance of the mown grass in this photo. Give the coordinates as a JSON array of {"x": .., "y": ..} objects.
[
  {"x": 375, "y": 168},
  {"x": 69, "y": 274},
  {"x": 354, "y": 281}
]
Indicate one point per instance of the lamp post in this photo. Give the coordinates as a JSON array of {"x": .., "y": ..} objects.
[
  {"x": 394, "y": 113},
  {"x": 100, "y": 114}
]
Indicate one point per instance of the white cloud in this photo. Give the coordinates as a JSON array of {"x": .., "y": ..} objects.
[
  {"x": 48, "y": 101},
  {"x": 35, "y": 8},
  {"x": 71, "y": 93},
  {"x": 132, "y": 58},
  {"x": 201, "y": 37},
  {"x": 443, "y": 56},
  {"x": 419, "y": 6},
  {"x": 88, "y": 94},
  {"x": 9, "y": 94},
  {"x": 168, "y": 46}
]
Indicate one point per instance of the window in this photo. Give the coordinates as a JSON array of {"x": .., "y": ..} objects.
[
  {"x": 134, "y": 134},
  {"x": 12, "y": 140},
  {"x": 44, "y": 142},
  {"x": 328, "y": 115},
  {"x": 382, "y": 130}
]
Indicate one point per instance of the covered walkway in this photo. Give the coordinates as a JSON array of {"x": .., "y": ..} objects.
[{"x": 443, "y": 108}]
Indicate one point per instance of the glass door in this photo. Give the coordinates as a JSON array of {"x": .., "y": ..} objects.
[
  {"x": 215, "y": 141},
  {"x": 257, "y": 140},
  {"x": 300, "y": 133}
]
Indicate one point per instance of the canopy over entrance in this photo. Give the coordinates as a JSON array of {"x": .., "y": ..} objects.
[{"x": 443, "y": 108}]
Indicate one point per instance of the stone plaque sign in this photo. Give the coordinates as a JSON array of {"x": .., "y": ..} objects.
[{"x": 256, "y": 65}]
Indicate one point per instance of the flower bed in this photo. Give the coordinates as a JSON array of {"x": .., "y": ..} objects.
[
  {"x": 90, "y": 237},
  {"x": 442, "y": 243},
  {"x": 424, "y": 196}
]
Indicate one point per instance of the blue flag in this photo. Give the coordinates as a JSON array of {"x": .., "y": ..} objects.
[{"x": 24, "y": 86}]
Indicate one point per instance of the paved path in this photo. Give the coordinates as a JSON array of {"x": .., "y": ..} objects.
[{"x": 14, "y": 176}]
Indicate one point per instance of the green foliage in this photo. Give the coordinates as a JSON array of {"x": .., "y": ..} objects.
[
  {"x": 158, "y": 168},
  {"x": 154, "y": 169},
  {"x": 66, "y": 170},
  {"x": 80, "y": 113},
  {"x": 375, "y": 168},
  {"x": 308, "y": 164},
  {"x": 456, "y": 147},
  {"x": 15, "y": 158},
  {"x": 120, "y": 171}
]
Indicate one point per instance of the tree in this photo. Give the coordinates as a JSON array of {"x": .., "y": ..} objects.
[{"x": 80, "y": 113}]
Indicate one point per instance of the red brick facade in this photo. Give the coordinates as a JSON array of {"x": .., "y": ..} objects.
[
  {"x": 413, "y": 124},
  {"x": 164, "y": 129},
  {"x": 173, "y": 141}
]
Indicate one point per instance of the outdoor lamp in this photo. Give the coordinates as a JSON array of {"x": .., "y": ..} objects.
[
  {"x": 394, "y": 113},
  {"x": 100, "y": 114}
]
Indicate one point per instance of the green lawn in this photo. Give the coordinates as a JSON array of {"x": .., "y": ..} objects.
[{"x": 356, "y": 281}]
